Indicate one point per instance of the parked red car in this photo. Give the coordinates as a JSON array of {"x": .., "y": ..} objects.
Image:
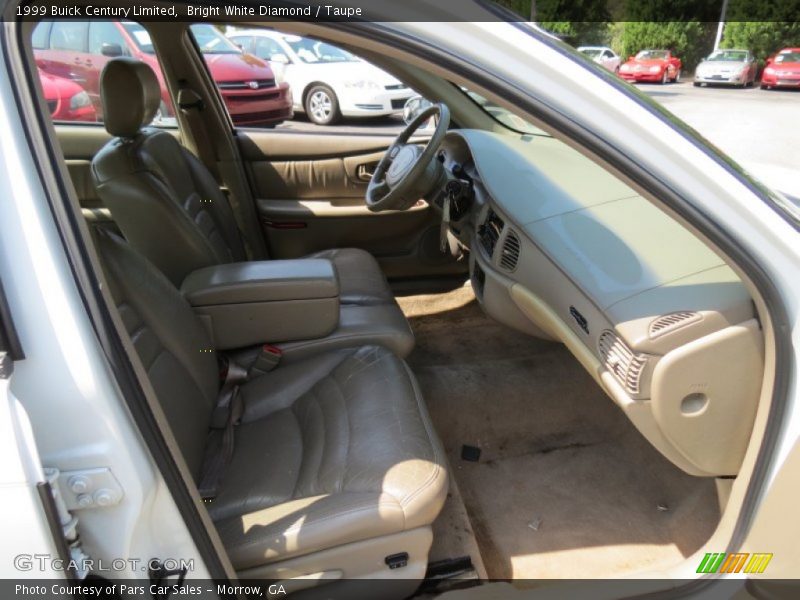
[
  {"x": 78, "y": 50},
  {"x": 66, "y": 100},
  {"x": 782, "y": 70},
  {"x": 652, "y": 65}
]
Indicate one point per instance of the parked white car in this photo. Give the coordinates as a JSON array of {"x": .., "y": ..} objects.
[
  {"x": 327, "y": 82},
  {"x": 602, "y": 55}
]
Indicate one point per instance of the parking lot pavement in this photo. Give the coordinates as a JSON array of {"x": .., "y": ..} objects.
[{"x": 758, "y": 128}]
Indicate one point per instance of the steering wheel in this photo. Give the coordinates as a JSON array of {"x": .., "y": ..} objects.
[{"x": 407, "y": 172}]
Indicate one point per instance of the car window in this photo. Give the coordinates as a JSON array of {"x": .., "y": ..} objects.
[
  {"x": 212, "y": 41},
  {"x": 591, "y": 52},
  {"x": 313, "y": 51},
  {"x": 788, "y": 57},
  {"x": 266, "y": 48},
  {"x": 140, "y": 35},
  {"x": 502, "y": 115},
  {"x": 244, "y": 42},
  {"x": 105, "y": 32},
  {"x": 71, "y": 87},
  {"x": 652, "y": 54},
  {"x": 300, "y": 84},
  {"x": 728, "y": 55},
  {"x": 41, "y": 34},
  {"x": 69, "y": 35}
]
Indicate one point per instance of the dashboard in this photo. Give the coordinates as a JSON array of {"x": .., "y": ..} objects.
[{"x": 561, "y": 249}]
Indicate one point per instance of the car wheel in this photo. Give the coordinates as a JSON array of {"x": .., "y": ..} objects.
[
  {"x": 677, "y": 77},
  {"x": 665, "y": 78},
  {"x": 322, "y": 106},
  {"x": 697, "y": 84}
]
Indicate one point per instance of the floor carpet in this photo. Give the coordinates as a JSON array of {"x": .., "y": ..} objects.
[{"x": 565, "y": 487}]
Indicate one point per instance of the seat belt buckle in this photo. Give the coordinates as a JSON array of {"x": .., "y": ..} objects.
[{"x": 268, "y": 359}]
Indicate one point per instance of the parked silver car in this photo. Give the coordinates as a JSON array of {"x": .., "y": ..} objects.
[{"x": 727, "y": 67}]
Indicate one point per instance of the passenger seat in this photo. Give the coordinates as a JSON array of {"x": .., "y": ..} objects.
[
  {"x": 171, "y": 209},
  {"x": 168, "y": 204},
  {"x": 336, "y": 470}
]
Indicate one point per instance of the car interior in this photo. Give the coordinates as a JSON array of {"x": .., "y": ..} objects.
[{"x": 469, "y": 351}]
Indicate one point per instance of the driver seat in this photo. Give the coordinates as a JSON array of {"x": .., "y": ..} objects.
[{"x": 168, "y": 204}]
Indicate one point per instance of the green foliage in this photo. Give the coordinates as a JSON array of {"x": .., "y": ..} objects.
[
  {"x": 579, "y": 33},
  {"x": 689, "y": 40},
  {"x": 762, "y": 38},
  {"x": 687, "y": 27}
]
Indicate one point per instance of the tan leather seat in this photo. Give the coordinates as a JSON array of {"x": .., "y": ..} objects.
[
  {"x": 167, "y": 203},
  {"x": 335, "y": 459}
]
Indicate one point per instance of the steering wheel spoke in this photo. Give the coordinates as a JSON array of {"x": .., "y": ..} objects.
[{"x": 403, "y": 174}]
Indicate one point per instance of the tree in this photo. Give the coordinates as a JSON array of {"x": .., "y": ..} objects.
[{"x": 689, "y": 40}]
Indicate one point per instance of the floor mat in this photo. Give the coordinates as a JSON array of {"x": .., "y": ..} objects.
[{"x": 565, "y": 486}]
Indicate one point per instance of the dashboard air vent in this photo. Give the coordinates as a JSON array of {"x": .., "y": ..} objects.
[
  {"x": 509, "y": 255},
  {"x": 626, "y": 366},
  {"x": 490, "y": 232},
  {"x": 671, "y": 322}
]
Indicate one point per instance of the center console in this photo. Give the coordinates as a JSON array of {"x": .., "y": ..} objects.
[{"x": 250, "y": 303}]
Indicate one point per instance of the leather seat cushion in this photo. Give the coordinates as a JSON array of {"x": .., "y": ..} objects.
[
  {"x": 361, "y": 280},
  {"x": 333, "y": 449}
]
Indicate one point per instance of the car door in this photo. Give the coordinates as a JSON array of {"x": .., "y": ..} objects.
[
  {"x": 310, "y": 190},
  {"x": 65, "y": 53},
  {"x": 310, "y": 183}
]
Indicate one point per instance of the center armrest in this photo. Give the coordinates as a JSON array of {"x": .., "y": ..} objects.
[
  {"x": 262, "y": 281},
  {"x": 265, "y": 301}
]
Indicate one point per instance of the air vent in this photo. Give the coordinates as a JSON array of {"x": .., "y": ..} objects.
[
  {"x": 626, "y": 366},
  {"x": 490, "y": 232},
  {"x": 509, "y": 255},
  {"x": 671, "y": 322}
]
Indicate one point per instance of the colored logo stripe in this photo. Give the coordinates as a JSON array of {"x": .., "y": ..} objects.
[{"x": 721, "y": 562}]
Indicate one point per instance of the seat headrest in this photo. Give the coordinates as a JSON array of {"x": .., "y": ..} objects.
[{"x": 130, "y": 93}]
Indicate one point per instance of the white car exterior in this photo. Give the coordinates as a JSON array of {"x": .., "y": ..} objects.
[
  {"x": 327, "y": 82},
  {"x": 602, "y": 55}
]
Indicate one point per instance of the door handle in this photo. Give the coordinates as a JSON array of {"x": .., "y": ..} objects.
[{"x": 364, "y": 172}]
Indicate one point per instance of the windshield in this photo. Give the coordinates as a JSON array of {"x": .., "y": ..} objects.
[
  {"x": 729, "y": 55},
  {"x": 140, "y": 36},
  {"x": 788, "y": 57},
  {"x": 211, "y": 41},
  {"x": 503, "y": 116},
  {"x": 591, "y": 52},
  {"x": 313, "y": 51},
  {"x": 651, "y": 54}
]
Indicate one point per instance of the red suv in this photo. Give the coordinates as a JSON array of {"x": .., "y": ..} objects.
[{"x": 78, "y": 50}]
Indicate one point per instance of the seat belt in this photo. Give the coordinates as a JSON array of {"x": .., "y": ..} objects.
[
  {"x": 220, "y": 445},
  {"x": 192, "y": 106}
]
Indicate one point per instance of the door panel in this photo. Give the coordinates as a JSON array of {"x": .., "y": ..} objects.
[
  {"x": 310, "y": 196},
  {"x": 80, "y": 143}
]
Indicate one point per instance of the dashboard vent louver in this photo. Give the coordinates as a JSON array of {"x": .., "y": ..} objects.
[
  {"x": 671, "y": 322},
  {"x": 626, "y": 366},
  {"x": 509, "y": 255}
]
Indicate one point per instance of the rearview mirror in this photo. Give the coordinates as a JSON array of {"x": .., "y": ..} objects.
[
  {"x": 414, "y": 107},
  {"x": 279, "y": 58},
  {"x": 110, "y": 50}
]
